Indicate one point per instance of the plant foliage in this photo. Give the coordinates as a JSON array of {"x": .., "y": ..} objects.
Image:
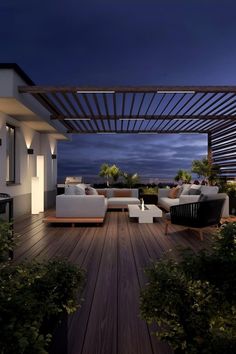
[
  {"x": 193, "y": 301},
  {"x": 30, "y": 295},
  {"x": 183, "y": 176},
  {"x": 203, "y": 168},
  {"x": 7, "y": 239}
]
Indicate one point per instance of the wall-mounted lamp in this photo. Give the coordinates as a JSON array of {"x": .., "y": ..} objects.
[
  {"x": 30, "y": 151},
  {"x": 0, "y": 142},
  {"x": 54, "y": 156}
]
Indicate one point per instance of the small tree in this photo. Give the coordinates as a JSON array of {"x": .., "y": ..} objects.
[
  {"x": 130, "y": 178},
  {"x": 105, "y": 172},
  {"x": 109, "y": 172},
  {"x": 114, "y": 172},
  {"x": 203, "y": 168},
  {"x": 183, "y": 176}
]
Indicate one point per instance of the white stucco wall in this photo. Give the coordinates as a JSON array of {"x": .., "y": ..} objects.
[{"x": 42, "y": 144}]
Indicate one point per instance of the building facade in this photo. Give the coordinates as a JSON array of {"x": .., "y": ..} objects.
[{"x": 26, "y": 131}]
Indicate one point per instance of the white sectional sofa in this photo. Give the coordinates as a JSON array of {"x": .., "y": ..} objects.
[
  {"x": 74, "y": 207},
  {"x": 165, "y": 202},
  {"x": 81, "y": 206}
]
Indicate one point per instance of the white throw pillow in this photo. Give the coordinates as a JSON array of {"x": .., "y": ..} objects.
[
  {"x": 79, "y": 189},
  {"x": 69, "y": 190},
  {"x": 186, "y": 188}
]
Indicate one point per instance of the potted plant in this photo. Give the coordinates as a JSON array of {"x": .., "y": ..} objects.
[
  {"x": 149, "y": 195},
  {"x": 192, "y": 302}
]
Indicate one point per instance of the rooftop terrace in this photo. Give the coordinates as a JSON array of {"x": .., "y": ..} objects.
[{"x": 114, "y": 256}]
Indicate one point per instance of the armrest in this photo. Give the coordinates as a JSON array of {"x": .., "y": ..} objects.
[
  {"x": 184, "y": 199},
  {"x": 163, "y": 192}
]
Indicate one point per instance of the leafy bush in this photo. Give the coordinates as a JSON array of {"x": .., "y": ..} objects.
[
  {"x": 193, "y": 301},
  {"x": 150, "y": 190},
  {"x": 7, "y": 239},
  {"x": 32, "y": 294}
]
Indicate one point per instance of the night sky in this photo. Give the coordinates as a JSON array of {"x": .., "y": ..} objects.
[{"x": 148, "y": 42}]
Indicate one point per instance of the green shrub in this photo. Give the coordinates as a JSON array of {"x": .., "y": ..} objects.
[
  {"x": 30, "y": 295},
  {"x": 7, "y": 239},
  {"x": 193, "y": 301},
  {"x": 150, "y": 190}
]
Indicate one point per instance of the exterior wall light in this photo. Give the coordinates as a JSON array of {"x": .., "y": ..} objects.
[
  {"x": 54, "y": 156},
  {"x": 0, "y": 142},
  {"x": 30, "y": 151}
]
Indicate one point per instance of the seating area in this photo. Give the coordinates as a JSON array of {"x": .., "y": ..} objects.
[
  {"x": 190, "y": 193},
  {"x": 84, "y": 204}
]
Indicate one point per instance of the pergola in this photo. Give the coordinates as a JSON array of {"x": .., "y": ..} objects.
[{"x": 149, "y": 110}]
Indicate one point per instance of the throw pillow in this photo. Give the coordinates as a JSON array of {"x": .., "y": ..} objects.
[
  {"x": 179, "y": 192},
  {"x": 194, "y": 191},
  {"x": 173, "y": 192},
  {"x": 91, "y": 191},
  {"x": 186, "y": 188},
  {"x": 69, "y": 190},
  {"x": 79, "y": 190}
]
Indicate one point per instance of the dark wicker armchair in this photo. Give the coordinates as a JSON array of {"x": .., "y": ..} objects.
[
  {"x": 3, "y": 206},
  {"x": 197, "y": 215}
]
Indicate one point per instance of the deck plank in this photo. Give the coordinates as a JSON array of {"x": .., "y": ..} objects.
[{"x": 114, "y": 256}]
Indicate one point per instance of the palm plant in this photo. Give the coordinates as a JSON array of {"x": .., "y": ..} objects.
[
  {"x": 183, "y": 176},
  {"x": 114, "y": 172},
  {"x": 203, "y": 168},
  {"x": 105, "y": 172},
  {"x": 130, "y": 179}
]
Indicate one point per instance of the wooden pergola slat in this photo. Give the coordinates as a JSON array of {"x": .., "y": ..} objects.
[{"x": 148, "y": 110}]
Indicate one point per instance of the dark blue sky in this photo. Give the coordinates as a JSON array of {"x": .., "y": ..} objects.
[{"x": 73, "y": 42}]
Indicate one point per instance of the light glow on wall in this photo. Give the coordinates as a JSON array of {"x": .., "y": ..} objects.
[{"x": 28, "y": 135}]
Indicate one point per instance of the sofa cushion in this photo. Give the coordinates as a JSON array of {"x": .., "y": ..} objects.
[
  {"x": 122, "y": 193},
  {"x": 166, "y": 202},
  {"x": 205, "y": 197},
  {"x": 194, "y": 191},
  {"x": 209, "y": 189},
  {"x": 122, "y": 201}
]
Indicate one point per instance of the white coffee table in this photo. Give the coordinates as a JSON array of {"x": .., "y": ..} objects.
[{"x": 144, "y": 216}]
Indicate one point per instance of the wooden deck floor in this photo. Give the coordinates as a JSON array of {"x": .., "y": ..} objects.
[{"x": 114, "y": 256}]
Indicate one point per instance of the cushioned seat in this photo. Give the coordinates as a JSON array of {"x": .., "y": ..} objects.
[
  {"x": 122, "y": 202},
  {"x": 166, "y": 202}
]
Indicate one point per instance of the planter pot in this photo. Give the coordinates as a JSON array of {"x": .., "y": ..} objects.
[
  {"x": 149, "y": 198},
  {"x": 232, "y": 205}
]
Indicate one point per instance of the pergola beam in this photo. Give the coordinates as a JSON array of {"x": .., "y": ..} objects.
[{"x": 121, "y": 89}]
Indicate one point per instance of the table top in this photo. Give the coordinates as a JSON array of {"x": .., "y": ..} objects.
[{"x": 134, "y": 209}]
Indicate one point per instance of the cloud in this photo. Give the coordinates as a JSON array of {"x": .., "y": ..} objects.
[{"x": 148, "y": 155}]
